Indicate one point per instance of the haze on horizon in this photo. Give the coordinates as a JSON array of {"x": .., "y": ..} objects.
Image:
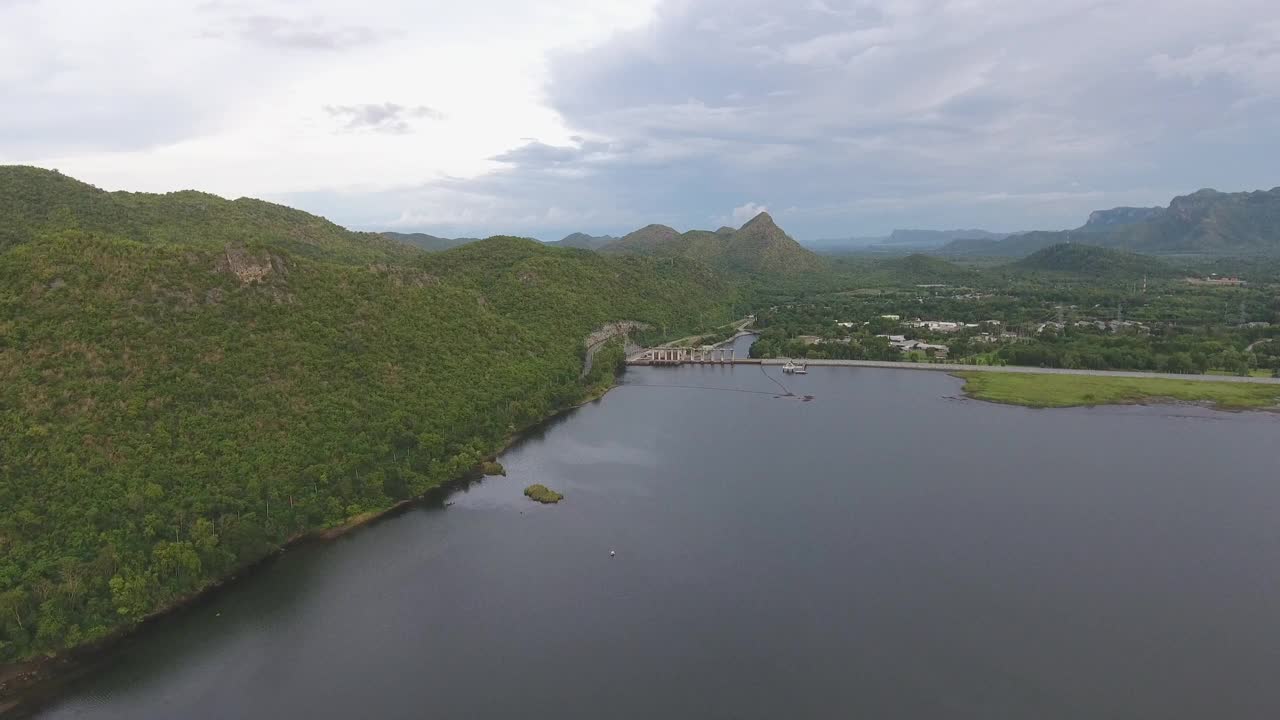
[{"x": 500, "y": 116}]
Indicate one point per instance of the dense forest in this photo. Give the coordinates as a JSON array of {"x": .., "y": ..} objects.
[{"x": 188, "y": 382}]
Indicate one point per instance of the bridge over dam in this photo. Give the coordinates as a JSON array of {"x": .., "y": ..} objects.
[{"x": 672, "y": 356}]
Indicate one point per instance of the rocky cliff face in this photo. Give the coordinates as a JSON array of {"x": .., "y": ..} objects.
[
  {"x": 250, "y": 267},
  {"x": 1115, "y": 217}
]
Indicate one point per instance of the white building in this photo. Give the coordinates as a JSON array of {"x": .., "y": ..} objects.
[{"x": 938, "y": 325}]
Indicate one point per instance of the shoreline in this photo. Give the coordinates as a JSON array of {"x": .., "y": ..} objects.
[
  {"x": 38, "y": 679},
  {"x": 1063, "y": 391}
]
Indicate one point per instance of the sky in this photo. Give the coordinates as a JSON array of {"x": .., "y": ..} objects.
[{"x": 840, "y": 118}]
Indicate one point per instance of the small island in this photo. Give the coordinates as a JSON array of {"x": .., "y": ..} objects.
[
  {"x": 492, "y": 467},
  {"x": 543, "y": 494}
]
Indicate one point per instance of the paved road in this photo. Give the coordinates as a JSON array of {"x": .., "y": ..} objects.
[{"x": 949, "y": 367}]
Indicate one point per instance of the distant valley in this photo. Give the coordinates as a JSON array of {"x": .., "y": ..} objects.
[{"x": 902, "y": 239}]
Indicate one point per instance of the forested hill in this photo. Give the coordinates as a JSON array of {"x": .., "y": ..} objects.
[
  {"x": 35, "y": 203},
  {"x": 186, "y": 382},
  {"x": 1092, "y": 262},
  {"x": 759, "y": 247}
]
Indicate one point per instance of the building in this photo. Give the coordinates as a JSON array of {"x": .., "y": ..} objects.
[
  {"x": 809, "y": 339},
  {"x": 906, "y": 346},
  {"x": 939, "y": 351},
  {"x": 939, "y": 326}
]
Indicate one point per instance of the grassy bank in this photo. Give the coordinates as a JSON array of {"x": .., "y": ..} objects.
[{"x": 1072, "y": 390}]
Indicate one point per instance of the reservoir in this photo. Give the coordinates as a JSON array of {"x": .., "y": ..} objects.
[{"x": 885, "y": 549}]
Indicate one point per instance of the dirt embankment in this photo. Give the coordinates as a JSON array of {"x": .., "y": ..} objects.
[{"x": 604, "y": 334}]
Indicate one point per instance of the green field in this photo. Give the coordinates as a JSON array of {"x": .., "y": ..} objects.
[
  {"x": 1045, "y": 391},
  {"x": 1256, "y": 372}
]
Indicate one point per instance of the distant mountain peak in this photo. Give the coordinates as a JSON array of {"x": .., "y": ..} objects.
[
  {"x": 759, "y": 246},
  {"x": 656, "y": 228},
  {"x": 763, "y": 219},
  {"x": 584, "y": 241}
]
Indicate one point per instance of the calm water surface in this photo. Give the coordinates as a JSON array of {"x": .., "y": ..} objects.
[{"x": 886, "y": 550}]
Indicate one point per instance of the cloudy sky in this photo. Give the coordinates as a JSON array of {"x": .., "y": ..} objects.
[{"x": 506, "y": 116}]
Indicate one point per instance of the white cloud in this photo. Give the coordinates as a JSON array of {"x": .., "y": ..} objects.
[
  {"x": 603, "y": 115},
  {"x": 743, "y": 213},
  {"x": 242, "y": 98},
  {"x": 387, "y": 117}
]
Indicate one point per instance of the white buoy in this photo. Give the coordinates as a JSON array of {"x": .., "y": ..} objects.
[{"x": 612, "y": 553}]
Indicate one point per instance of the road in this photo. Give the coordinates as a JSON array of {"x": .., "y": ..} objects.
[
  {"x": 950, "y": 367},
  {"x": 739, "y": 326}
]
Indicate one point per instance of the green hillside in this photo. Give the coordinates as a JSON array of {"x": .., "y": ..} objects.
[
  {"x": 759, "y": 247},
  {"x": 648, "y": 240},
  {"x": 36, "y": 202},
  {"x": 181, "y": 396},
  {"x": 923, "y": 269},
  {"x": 1092, "y": 262}
]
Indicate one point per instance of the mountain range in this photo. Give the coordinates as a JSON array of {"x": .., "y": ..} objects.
[
  {"x": 1205, "y": 222},
  {"x": 759, "y": 247}
]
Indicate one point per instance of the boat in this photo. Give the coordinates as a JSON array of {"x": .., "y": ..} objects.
[{"x": 792, "y": 368}]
